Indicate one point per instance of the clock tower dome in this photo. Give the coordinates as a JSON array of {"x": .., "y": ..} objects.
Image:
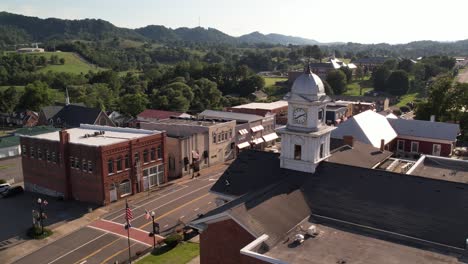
[{"x": 305, "y": 141}]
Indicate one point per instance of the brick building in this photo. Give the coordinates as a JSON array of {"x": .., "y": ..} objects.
[
  {"x": 279, "y": 108},
  {"x": 96, "y": 164}
]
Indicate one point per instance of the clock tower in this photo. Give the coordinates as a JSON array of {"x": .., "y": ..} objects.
[{"x": 305, "y": 141}]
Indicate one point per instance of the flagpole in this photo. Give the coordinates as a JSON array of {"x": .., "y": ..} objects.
[{"x": 128, "y": 232}]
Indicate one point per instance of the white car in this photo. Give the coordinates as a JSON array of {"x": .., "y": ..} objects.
[{"x": 4, "y": 187}]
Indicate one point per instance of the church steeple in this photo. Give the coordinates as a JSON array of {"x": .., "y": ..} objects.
[
  {"x": 67, "y": 98},
  {"x": 306, "y": 138}
]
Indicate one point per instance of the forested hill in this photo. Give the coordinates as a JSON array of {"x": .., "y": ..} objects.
[{"x": 16, "y": 29}]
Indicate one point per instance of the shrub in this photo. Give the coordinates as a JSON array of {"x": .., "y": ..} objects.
[
  {"x": 2, "y": 181},
  {"x": 36, "y": 232},
  {"x": 173, "y": 239}
]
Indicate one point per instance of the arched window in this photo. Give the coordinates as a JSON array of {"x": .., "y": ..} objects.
[
  {"x": 145, "y": 156},
  {"x": 127, "y": 162},
  {"x": 159, "y": 152},
  {"x": 153, "y": 154},
  {"x": 110, "y": 166},
  {"x": 119, "y": 163}
]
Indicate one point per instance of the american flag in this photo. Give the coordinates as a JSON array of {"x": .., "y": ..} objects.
[
  {"x": 128, "y": 212},
  {"x": 147, "y": 215}
]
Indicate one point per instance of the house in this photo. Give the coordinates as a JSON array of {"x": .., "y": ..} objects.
[
  {"x": 367, "y": 127},
  {"x": 194, "y": 144},
  {"x": 279, "y": 108},
  {"x": 334, "y": 201},
  {"x": 19, "y": 119},
  {"x": 424, "y": 137},
  {"x": 72, "y": 115},
  {"x": 370, "y": 63},
  {"x": 120, "y": 120},
  {"x": 153, "y": 115},
  {"x": 363, "y": 103},
  {"x": 251, "y": 130},
  {"x": 92, "y": 163}
]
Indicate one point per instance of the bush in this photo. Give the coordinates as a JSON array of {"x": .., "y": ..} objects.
[
  {"x": 173, "y": 239},
  {"x": 2, "y": 181},
  {"x": 36, "y": 232}
]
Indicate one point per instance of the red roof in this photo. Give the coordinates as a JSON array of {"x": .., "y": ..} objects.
[{"x": 157, "y": 114}]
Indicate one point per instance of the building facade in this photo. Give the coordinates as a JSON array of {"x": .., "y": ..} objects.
[
  {"x": 96, "y": 164},
  {"x": 278, "y": 108}
]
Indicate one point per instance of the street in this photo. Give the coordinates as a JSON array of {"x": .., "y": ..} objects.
[{"x": 105, "y": 240}]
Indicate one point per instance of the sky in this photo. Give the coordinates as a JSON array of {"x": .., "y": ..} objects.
[{"x": 363, "y": 21}]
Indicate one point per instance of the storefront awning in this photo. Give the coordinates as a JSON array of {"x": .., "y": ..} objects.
[
  {"x": 270, "y": 137},
  {"x": 257, "y": 128},
  {"x": 258, "y": 141},
  {"x": 243, "y": 131},
  {"x": 243, "y": 145}
]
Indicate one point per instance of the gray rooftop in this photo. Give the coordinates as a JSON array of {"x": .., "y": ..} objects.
[
  {"x": 425, "y": 129},
  {"x": 443, "y": 169},
  {"x": 240, "y": 117},
  {"x": 191, "y": 121}
]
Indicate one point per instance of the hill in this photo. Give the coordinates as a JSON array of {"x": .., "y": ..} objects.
[
  {"x": 73, "y": 63},
  {"x": 257, "y": 37}
]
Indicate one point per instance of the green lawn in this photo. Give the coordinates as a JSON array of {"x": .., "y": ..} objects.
[
  {"x": 355, "y": 86},
  {"x": 404, "y": 99},
  {"x": 18, "y": 88},
  {"x": 271, "y": 81},
  {"x": 181, "y": 254},
  {"x": 57, "y": 96},
  {"x": 73, "y": 63}
]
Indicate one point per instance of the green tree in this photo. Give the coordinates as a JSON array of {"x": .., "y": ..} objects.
[
  {"x": 133, "y": 104},
  {"x": 35, "y": 96},
  {"x": 206, "y": 95},
  {"x": 250, "y": 85},
  {"x": 9, "y": 100},
  {"x": 379, "y": 78},
  {"x": 397, "y": 83},
  {"x": 337, "y": 80},
  {"x": 62, "y": 61},
  {"x": 348, "y": 72},
  {"x": 359, "y": 73},
  {"x": 406, "y": 65},
  {"x": 175, "y": 96}
]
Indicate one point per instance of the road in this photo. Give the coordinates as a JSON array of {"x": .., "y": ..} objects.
[{"x": 105, "y": 241}]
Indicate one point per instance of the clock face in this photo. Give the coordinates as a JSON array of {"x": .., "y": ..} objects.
[{"x": 300, "y": 116}]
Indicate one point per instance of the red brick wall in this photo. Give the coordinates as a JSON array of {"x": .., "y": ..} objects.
[
  {"x": 221, "y": 242},
  {"x": 425, "y": 147}
]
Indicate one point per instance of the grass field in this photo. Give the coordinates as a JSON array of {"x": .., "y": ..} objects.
[
  {"x": 404, "y": 99},
  {"x": 57, "y": 96},
  {"x": 181, "y": 254},
  {"x": 271, "y": 81},
  {"x": 73, "y": 63},
  {"x": 354, "y": 87}
]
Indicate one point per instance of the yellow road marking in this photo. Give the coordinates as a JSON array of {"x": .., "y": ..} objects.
[
  {"x": 175, "y": 209},
  {"x": 107, "y": 259},
  {"x": 97, "y": 251}
]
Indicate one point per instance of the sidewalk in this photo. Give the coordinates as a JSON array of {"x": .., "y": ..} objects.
[{"x": 61, "y": 230}]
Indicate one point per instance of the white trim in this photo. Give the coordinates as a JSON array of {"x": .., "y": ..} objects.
[
  {"x": 398, "y": 145},
  {"x": 247, "y": 250},
  {"x": 210, "y": 219},
  {"x": 440, "y": 149},
  {"x": 417, "y": 146},
  {"x": 270, "y": 137},
  {"x": 224, "y": 196},
  {"x": 243, "y": 145},
  {"x": 420, "y": 160}
]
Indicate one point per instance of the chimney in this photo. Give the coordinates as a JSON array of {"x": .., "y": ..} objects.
[
  {"x": 349, "y": 140},
  {"x": 382, "y": 145},
  {"x": 432, "y": 118},
  {"x": 64, "y": 137}
]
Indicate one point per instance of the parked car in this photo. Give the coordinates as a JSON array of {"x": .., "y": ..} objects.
[
  {"x": 13, "y": 191},
  {"x": 4, "y": 187}
]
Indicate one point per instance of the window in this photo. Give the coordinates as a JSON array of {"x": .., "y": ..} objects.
[
  {"x": 47, "y": 155},
  {"x": 320, "y": 114},
  {"x": 401, "y": 145},
  {"x": 214, "y": 138},
  {"x": 153, "y": 154},
  {"x": 436, "y": 148},
  {"x": 54, "y": 158},
  {"x": 297, "y": 152},
  {"x": 119, "y": 164},
  {"x": 31, "y": 152},
  {"x": 414, "y": 146},
  {"x": 90, "y": 166},
  {"x": 23, "y": 149},
  {"x": 124, "y": 188},
  {"x": 159, "y": 153},
  {"x": 39, "y": 153},
  {"x": 110, "y": 166},
  {"x": 72, "y": 162},
  {"x": 153, "y": 176},
  {"x": 85, "y": 165},
  {"x": 137, "y": 157},
  {"x": 145, "y": 156},
  {"x": 321, "y": 151},
  {"x": 127, "y": 162},
  {"x": 77, "y": 163}
]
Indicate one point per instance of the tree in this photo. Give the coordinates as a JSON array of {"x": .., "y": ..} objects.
[
  {"x": 175, "y": 96},
  {"x": 54, "y": 59},
  {"x": 206, "y": 95},
  {"x": 328, "y": 89},
  {"x": 379, "y": 78},
  {"x": 397, "y": 83},
  {"x": 9, "y": 100},
  {"x": 348, "y": 72},
  {"x": 133, "y": 104},
  {"x": 313, "y": 52},
  {"x": 406, "y": 65},
  {"x": 35, "y": 96},
  {"x": 62, "y": 61},
  {"x": 250, "y": 85},
  {"x": 359, "y": 72},
  {"x": 337, "y": 81}
]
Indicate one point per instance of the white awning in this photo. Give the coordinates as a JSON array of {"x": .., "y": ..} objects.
[
  {"x": 243, "y": 131},
  {"x": 258, "y": 141},
  {"x": 257, "y": 128},
  {"x": 270, "y": 137},
  {"x": 243, "y": 145}
]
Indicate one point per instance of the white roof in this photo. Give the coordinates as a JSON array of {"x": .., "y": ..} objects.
[
  {"x": 112, "y": 135},
  {"x": 368, "y": 127},
  {"x": 266, "y": 106},
  {"x": 308, "y": 83},
  {"x": 352, "y": 66}
]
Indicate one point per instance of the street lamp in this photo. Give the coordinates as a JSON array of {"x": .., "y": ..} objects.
[
  {"x": 155, "y": 229},
  {"x": 42, "y": 215}
]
